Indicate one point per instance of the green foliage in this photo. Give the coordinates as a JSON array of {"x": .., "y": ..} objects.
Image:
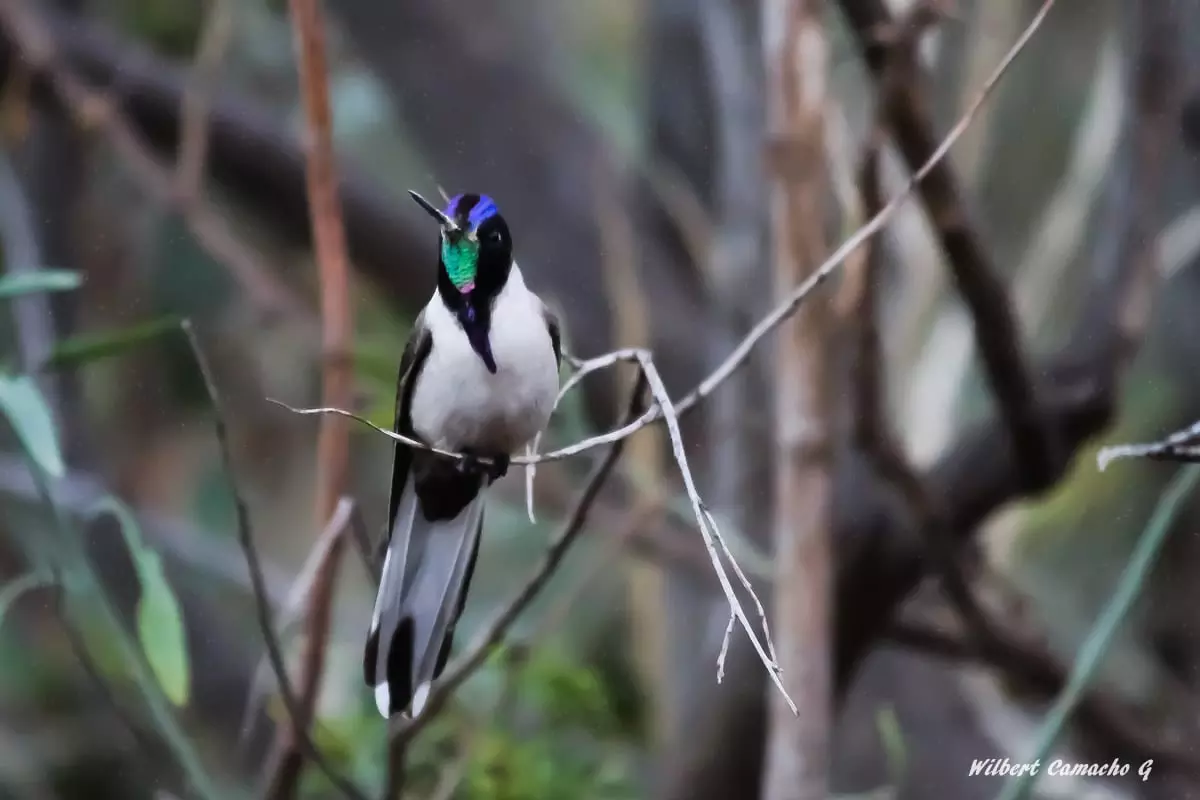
[
  {"x": 892, "y": 739},
  {"x": 43, "y": 280},
  {"x": 159, "y": 618},
  {"x": 375, "y": 369},
  {"x": 512, "y": 767},
  {"x": 567, "y": 753},
  {"x": 568, "y": 694},
  {"x": 92, "y": 347},
  {"x": 21, "y": 402}
]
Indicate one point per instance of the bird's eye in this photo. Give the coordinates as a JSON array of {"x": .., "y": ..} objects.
[{"x": 495, "y": 237}]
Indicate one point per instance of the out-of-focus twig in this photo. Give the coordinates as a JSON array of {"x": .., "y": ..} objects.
[
  {"x": 197, "y": 100},
  {"x": 369, "y": 555},
  {"x": 92, "y": 109},
  {"x": 322, "y": 559},
  {"x": 872, "y": 433},
  {"x": 632, "y": 325},
  {"x": 262, "y": 604},
  {"x": 997, "y": 334},
  {"x": 1028, "y": 662},
  {"x": 333, "y": 439}
]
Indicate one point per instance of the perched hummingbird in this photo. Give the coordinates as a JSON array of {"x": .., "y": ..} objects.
[{"x": 478, "y": 376}]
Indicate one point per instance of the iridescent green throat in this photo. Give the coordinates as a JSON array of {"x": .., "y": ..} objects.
[{"x": 461, "y": 259}]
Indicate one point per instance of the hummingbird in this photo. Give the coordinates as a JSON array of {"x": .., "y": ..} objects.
[{"x": 478, "y": 376}]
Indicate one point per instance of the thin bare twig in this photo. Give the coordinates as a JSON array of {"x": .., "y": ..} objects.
[
  {"x": 333, "y": 439},
  {"x": 1181, "y": 447},
  {"x": 261, "y": 602}
]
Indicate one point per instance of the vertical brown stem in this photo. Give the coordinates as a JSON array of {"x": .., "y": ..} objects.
[
  {"x": 797, "y": 754},
  {"x": 333, "y": 439}
]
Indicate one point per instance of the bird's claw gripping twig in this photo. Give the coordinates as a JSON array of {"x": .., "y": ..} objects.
[{"x": 494, "y": 468}]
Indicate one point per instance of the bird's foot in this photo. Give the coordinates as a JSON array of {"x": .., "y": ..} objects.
[
  {"x": 498, "y": 468},
  {"x": 470, "y": 464},
  {"x": 494, "y": 468}
]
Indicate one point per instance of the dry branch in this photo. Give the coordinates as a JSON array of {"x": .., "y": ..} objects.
[
  {"x": 872, "y": 433},
  {"x": 796, "y": 56},
  {"x": 197, "y": 100},
  {"x": 997, "y": 334},
  {"x": 261, "y": 601},
  {"x": 333, "y": 439}
]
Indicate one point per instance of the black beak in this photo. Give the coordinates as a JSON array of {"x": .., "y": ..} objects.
[{"x": 443, "y": 220}]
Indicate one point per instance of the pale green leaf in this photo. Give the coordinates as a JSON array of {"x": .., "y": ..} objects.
[
  {"x": 160, "y": 628},
  {"x": 159, "y": 619},
  {"x": 44, "y": 280},
  {"x": 22, "y": 403}
]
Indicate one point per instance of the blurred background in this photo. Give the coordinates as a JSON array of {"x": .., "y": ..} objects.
[{"x": 623, "y": 141}]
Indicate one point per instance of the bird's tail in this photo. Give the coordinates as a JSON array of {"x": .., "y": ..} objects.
[{"x": 422, "y": 590}]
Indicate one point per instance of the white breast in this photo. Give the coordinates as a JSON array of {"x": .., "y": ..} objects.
[{"x": 458, "y": 404}]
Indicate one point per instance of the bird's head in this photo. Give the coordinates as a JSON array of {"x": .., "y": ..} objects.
[
  {"x": 475, "y": 244},
  {"x": 474, "y": 261}
]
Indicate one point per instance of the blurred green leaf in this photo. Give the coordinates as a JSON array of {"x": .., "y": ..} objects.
[
  {"x": 159, "y": 618},
  {"x": 44, "y": 280},
  {"x": 18, "y": 586},
  {"x": 160, "y": 628},
  {"x": 892, "y": 738},
  {"x": 567, "y": 692},
  {"x": 91, "y": 347},
  {"x": 22, "y": 403}
]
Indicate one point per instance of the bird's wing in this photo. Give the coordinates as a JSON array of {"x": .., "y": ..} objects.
[
  {"x": 416, "y": 350},
  {"x": 552, "y": 325}
]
